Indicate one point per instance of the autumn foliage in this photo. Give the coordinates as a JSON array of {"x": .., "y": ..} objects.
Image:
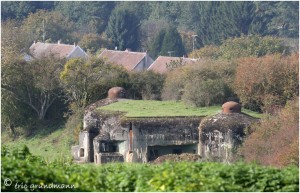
[
  {"x": 275, "y": 140},
  {"x": 268, "y": 82}
]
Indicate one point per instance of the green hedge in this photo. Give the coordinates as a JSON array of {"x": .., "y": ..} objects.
[{"x": 20, "y": 171}]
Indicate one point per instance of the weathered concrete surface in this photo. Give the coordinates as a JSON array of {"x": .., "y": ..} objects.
[
  {"x": 221, "y": 134},
  {"x": 110, "y": 136},
  {"x": 84, "y": 151},
  {"x": 101, "y": 158}
]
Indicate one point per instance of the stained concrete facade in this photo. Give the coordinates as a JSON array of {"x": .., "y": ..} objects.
[
  {"x": 220, "y": 135},
  {"x": 112, "y": 137}
]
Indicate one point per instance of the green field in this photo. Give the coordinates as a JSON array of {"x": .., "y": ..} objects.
[{"x": 151, "y": 108}]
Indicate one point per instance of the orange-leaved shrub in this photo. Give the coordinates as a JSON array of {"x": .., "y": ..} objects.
[
  {"x": 275, "y": 140},
  {"x": 267, "y": 82}
]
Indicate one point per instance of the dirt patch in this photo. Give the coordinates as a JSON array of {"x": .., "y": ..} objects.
[{"x": 177, "y": 158}]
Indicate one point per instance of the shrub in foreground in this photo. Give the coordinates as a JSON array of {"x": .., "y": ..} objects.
[
  {"x": 22, "y": 168},
  {"x": 275, "y": 140}
]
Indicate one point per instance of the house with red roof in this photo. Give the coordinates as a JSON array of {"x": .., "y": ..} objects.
[
  {"x": 40, "y": 50},
  {"x": 163, "y": 63},
  {"x": 132, "y": 61}
]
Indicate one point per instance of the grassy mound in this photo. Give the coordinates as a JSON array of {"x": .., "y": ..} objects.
[{"x": 151, "y": 108}]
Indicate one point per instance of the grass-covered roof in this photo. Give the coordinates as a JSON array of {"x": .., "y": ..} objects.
[{"x": 151, "y": 108}]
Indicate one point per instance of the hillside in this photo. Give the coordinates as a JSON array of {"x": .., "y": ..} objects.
[{"x": 50, "y": 145}]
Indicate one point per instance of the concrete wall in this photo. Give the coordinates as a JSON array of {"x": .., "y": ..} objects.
[
  {"x": 217, "y": 145},
  {"x": 169, "y": 134},
  {"x": 101, "y": 158},
  {"x": 84, "y": 152},
  {"x": 220, "y": 135}
]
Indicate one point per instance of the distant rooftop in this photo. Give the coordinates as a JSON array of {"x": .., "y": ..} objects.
[
  {"x": 39, "y": 50},
  {"x": 126, "y": 58},
  {"x": 160, "y": 64}
]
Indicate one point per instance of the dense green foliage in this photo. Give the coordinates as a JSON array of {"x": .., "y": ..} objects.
[
  {"x": 123, "y": 29},
  {"x": 245, "y": 46},
  {"x": 212, "y": 21},
  {"x": 22, "y": 168},
  {"x": 172, "y": 43},
  {"x": 86, "y": 81},
  {"x": 201, "y": 84},
  {"x": 90, "y": 17},
  {"x": 142, "y": 86}
]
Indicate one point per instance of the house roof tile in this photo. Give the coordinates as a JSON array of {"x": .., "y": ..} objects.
[
  {"x": 160, "y": 64},
  {"x": 39, "y": 50},
  {"x": 126, "y": 58}
]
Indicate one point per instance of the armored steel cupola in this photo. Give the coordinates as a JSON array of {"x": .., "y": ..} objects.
[
  {"x": 116, "y": 92},
  {"x": 231, "y": 107}
]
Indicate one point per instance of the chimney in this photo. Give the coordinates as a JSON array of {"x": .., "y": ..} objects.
[
  {"x": 58, "y": 42},
  {"x": 116, "y": 48},
  {"x": 34, "y": 42},
  {"x": 74, "y": 45}
]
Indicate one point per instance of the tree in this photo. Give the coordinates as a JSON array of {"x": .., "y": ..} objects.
[
  {"x": 142, "y": 85},
  {"x": 123, "y": 29},
  {"x": 27, "y": 94},
  {"x": 47, "y": 26},
  {"x": 244, "y": 46},
  {"x": 90, "y": 17},
  {"x": 34, "y": 83},
  {"x": 268, "y": 82},
  {"x": 20, "y": 9},
  {"x": 254, "y": 45},
  {"x": 286, "y": 21},
  {"x": 172, "y": 43},
  {"x": 276, "y": 18},
  {"x": 201, "y": 84},
  {"x": 92, "y": 42},
  {"x": 86, "y": 82},
  {"x": 157, "y": 44}
]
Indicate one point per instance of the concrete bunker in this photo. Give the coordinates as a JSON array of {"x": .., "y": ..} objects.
[{"x": 113, "y": 137}]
